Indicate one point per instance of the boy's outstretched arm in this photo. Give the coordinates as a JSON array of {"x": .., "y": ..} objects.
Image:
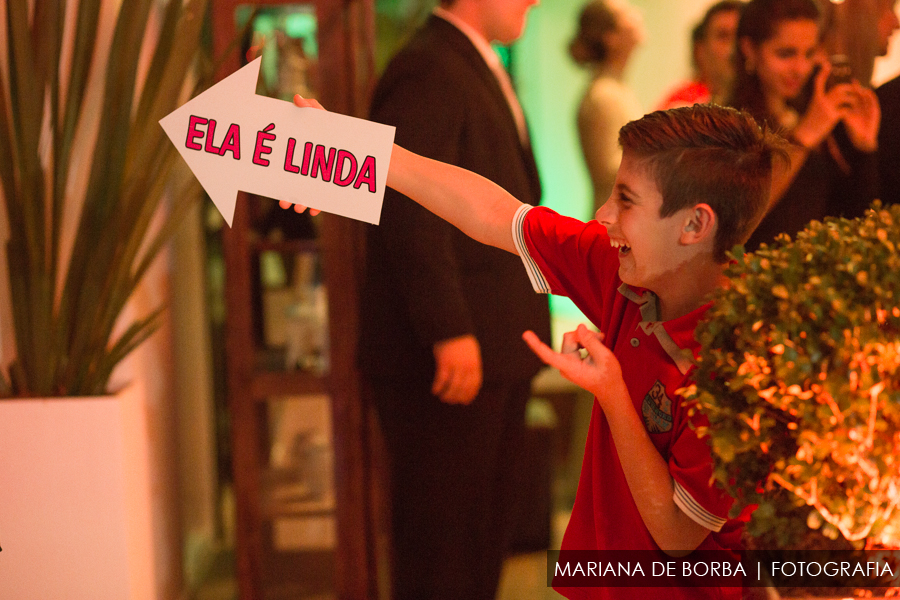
[
  {"x": 476, "y": 206},
  {"x": 645, "y": 470}
]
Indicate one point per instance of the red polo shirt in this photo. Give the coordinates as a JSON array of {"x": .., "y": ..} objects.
[
  {"x": 689, "y": 94},
  {"x": 566, "y": 257}
]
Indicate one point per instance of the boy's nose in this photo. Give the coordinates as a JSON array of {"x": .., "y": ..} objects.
[{"x": 604, "y": 213}]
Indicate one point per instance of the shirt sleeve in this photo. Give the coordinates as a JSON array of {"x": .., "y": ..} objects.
[
  {"x": 539, "y": 282},
  {"x": 565, "y": 256},
  {"x": 690, "y": 463}
]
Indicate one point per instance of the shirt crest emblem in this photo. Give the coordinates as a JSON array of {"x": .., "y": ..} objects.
[{"x": 657, "y": 409}]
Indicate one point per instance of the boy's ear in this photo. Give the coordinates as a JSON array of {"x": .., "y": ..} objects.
[{"x": 699, "y": 225}]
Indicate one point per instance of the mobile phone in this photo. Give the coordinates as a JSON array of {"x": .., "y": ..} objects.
[{"x": 841, "y": 72}]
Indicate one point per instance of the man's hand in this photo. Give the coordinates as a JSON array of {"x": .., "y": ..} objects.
[
  {"x": 598, "y": 371},
  {"x": 302, "y": 102},
  {"x": 457, "y": 377}
]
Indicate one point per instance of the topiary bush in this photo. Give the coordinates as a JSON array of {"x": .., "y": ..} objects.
[{"x": 800, "y": 378}]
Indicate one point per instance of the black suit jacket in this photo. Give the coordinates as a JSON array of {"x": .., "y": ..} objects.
[
  {"x": 889, "y": 141},
  {"x": 426, "y": 281}
]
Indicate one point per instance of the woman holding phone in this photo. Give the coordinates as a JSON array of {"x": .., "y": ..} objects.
[{"x": 784, "y": 80}]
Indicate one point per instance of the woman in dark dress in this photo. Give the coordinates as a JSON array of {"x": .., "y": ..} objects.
[{"x": 783, "y": 80}]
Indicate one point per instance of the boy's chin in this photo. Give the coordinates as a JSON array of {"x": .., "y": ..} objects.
[
  {"x": 630, "y": 280},
  {"x": 626, "y": 279}
]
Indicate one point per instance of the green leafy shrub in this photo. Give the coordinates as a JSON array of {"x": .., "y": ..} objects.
[{"x": 800, "y": 378}]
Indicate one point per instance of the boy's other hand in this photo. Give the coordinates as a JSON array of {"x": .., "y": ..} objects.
[
  {"x": 457, "y": 377},
  {"x": 597, "y": 370},
  {"x": 302, "y": 102}
]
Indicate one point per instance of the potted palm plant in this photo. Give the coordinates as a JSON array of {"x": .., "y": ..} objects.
[
  {"x": 66, "y": 301},
  {"x": 800, "y": 378},
  {"x": 84, "y": 170}
]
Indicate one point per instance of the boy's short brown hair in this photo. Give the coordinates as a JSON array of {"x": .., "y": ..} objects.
[{"x": 708, "y": 154}]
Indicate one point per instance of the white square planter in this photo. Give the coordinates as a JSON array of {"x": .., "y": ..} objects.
[{"x": 75, "y": 517}]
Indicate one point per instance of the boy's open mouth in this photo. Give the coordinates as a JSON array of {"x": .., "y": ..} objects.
[{"x": 623, "y": 248}]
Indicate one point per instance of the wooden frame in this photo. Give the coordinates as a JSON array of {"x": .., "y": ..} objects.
[{"x": 346, "y": 63}]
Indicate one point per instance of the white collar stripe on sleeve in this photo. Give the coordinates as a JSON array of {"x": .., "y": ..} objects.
[
  {"x": 697, "y": 513},
  {"x": 538, "y": 281}
]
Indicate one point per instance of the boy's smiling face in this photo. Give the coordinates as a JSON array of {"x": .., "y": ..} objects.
[{"x": 651, "y": 247}]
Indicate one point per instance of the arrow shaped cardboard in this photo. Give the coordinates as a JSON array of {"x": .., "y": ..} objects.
[{"x": 234, "y": 140}]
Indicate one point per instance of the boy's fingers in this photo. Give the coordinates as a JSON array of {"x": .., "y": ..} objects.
[
  {"x": 570, "y": 343},
  {"x": 590, "y": 340},
  {"x": 543, "y": 351},
  {"x": 565, "y": 363},
  {"x": 573, "y": 342}
]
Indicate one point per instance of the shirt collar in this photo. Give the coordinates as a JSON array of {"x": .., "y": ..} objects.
[
  {"x": 676, "y": 336},
  {"x": 480, "y": 42}
]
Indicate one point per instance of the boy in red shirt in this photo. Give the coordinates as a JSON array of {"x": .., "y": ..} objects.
[{"x": 693, "y": 183}]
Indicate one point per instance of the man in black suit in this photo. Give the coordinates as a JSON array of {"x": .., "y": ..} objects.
[{"x": 442, "y": 315}]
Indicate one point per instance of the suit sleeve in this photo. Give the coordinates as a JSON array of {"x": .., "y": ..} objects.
[
  {"x": 889, "y": 142},
  {"x": 418, "y": 245}
]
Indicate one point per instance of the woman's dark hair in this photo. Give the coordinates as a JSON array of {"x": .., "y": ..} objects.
[
  {"x": 596, "y": 20},
  {"x": 701, "y": 29},
  {"x": 758, "y": 23}
]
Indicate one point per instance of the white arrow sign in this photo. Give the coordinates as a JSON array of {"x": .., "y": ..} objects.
[{"x": 234, "y": 140}]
